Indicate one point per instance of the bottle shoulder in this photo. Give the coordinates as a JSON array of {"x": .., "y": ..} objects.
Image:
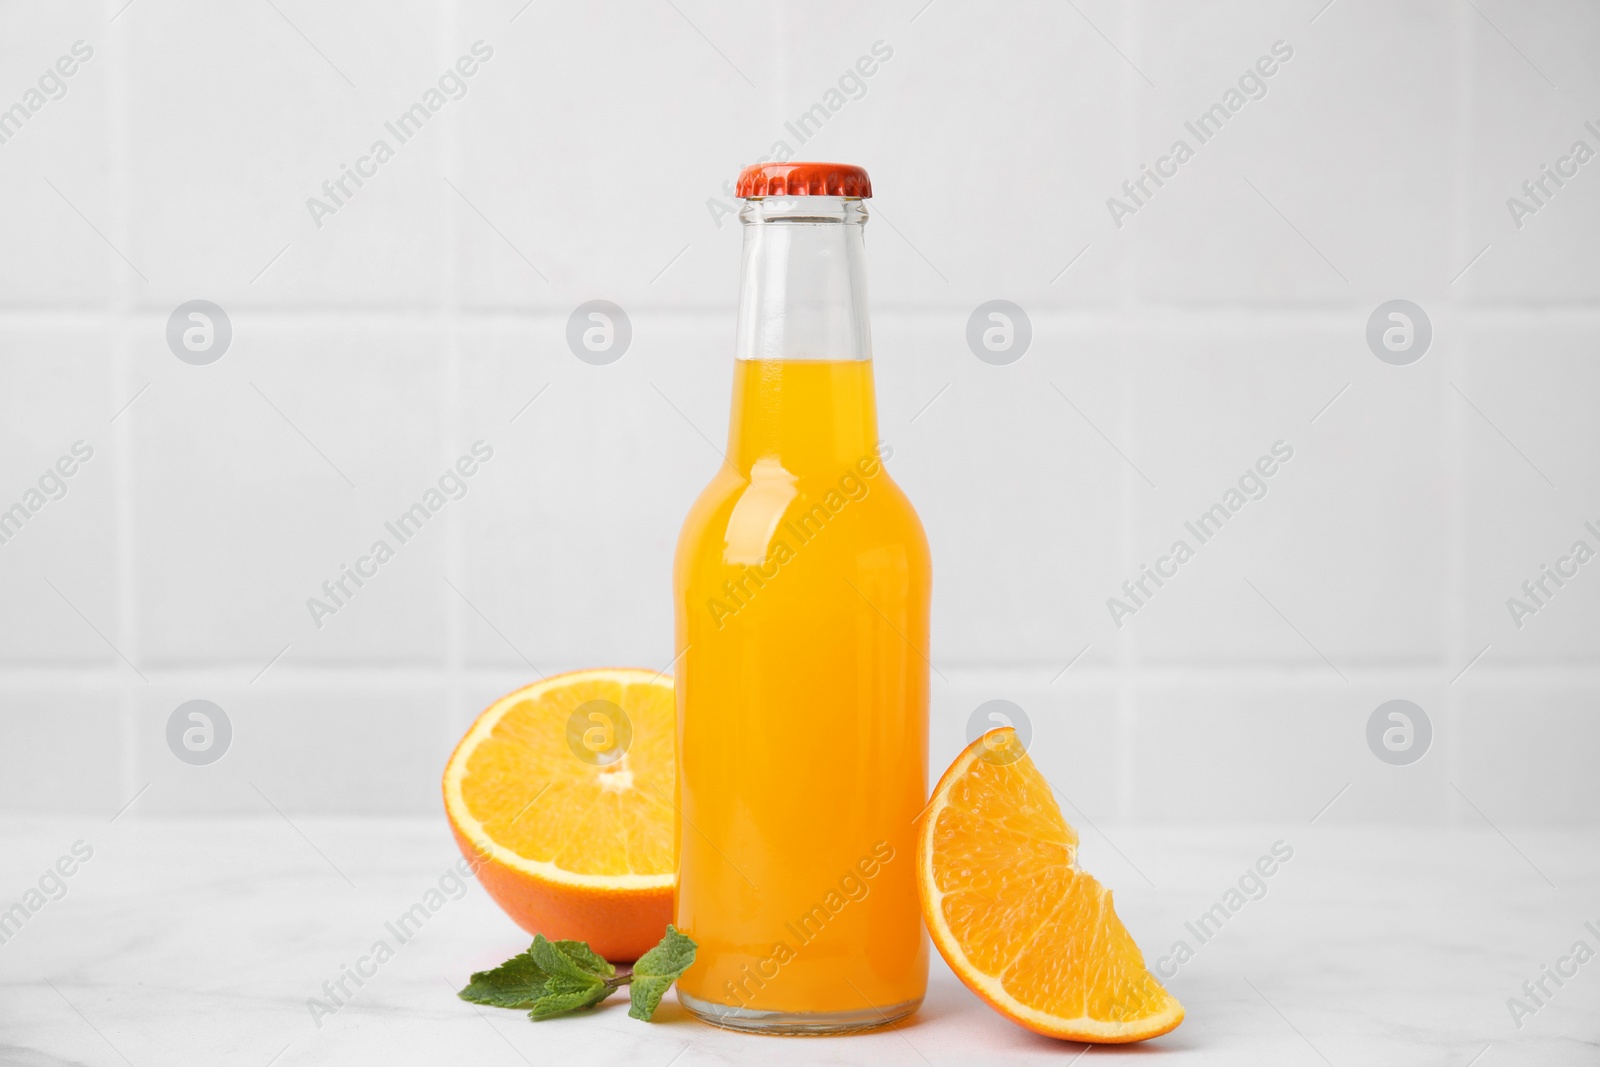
[{"x": 739, "y": 519}]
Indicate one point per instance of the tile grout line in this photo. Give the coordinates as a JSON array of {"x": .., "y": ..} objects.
[
  {"x": 1127, "y": 656},
  {"x": 1523, "y": 674},
  {"x": 1152, "y": 318},
  {"x": 453, "y": 713},
  {"x": 1452, "y": 603},
  {"x": 122, "y": 346}
]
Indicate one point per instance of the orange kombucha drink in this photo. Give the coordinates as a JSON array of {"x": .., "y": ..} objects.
[{"x": 802, "y": 585}]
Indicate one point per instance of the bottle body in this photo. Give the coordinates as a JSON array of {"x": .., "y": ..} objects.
[{"x": 802, "y": 584}]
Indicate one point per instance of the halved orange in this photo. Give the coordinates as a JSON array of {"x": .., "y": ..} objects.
[
  {"x": 561, "y": 795},
  {"x": 1013, "y": 915}
]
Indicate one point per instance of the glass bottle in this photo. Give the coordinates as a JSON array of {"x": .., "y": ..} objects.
[{"x": 802, "y": 584}]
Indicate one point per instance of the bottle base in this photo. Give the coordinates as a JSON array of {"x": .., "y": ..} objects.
[{"x": 795, "y": 1023}]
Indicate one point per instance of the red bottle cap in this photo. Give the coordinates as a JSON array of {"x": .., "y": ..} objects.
[{"x": 803, "y": 179}]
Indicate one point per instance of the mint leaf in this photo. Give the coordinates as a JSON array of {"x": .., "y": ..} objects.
[
  {"x": 656, "y": 970},
  {"x": 516, "y": 983},
  {"x": 645, "y": 995},
  {"x": 570, "y": 959},
  {"x": 586, "y": 958},
  {"x": 561, "y": 1003},
  {"x": 670, "y": 958},
  {"x": 562, "y": 984}
]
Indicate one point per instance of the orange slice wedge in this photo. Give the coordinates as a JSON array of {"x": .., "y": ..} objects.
[
  {"x": 561, "y": 796},
  {"x": 1013, "y": 915}
]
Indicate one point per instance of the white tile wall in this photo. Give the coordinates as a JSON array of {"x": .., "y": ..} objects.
[
  {"x": 282, "y": 462},
  {"x": 1352, "y": 146},
  {"x": 64, "y": 748},
  {"x": 234, "y": 121},
  {"x": 296, "y": 746},
  {"x": 1530, "y": 755},
  {"x": 52, "y": 258},
  {"x": 1530, "y": 109},
  {"x": 598, "y": 135},
  {"x": 62, "y": 560},
  {"x": 430, "y": 309}
]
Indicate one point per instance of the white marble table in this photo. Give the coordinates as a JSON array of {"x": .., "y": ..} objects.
[{"x": 200, "y": 943}]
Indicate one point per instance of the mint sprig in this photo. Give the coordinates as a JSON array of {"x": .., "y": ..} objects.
[{"x": 556, "y": 977}]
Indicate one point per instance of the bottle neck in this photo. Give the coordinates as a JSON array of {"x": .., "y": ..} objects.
[
  {"x": 811, "y": 418},
  {"x": 803, "y": 291},
  {"x": 803, "y": 403}
]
